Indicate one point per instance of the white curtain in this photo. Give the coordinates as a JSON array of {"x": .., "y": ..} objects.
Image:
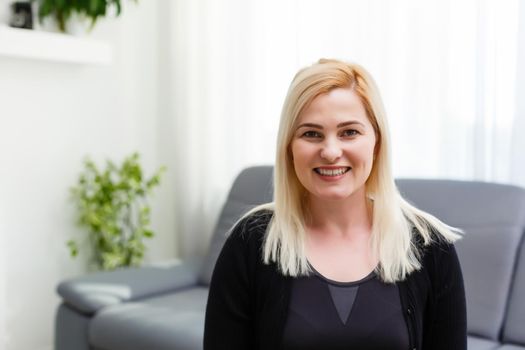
[{"x": 447, "y": 70}]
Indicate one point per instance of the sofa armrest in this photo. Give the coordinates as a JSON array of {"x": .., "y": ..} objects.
[{"x": 92, "y": 292}]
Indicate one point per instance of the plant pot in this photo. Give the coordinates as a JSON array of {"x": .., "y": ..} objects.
[
  {"x": 78, "y": 25},
  {"x": 48, "y": 24}
]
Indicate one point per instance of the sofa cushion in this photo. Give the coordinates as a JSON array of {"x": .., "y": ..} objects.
[
  {"x": 253, "y": 186},
  {"x": 475, "y": 343},
  {"x": 165, "y": 322},
  {"x": 514, "y": 329},
  {"x": 493, "y": 217},
  {"x": 510, "y": 347}
]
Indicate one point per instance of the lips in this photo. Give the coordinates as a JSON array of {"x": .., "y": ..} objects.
[{"x": 332, "y": 171}]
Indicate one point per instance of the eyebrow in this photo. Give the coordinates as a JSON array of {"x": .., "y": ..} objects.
[{"x": 340, "y": 125}]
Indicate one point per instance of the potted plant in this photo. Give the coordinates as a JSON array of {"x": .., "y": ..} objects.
[
  {"x": 63, "y": 10},
  {"x": 112, "y": 206}
]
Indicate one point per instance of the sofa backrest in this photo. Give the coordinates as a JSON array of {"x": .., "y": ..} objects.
[
  {"x": 252, "y": 186},
  {"x": 493, "y": 219}
]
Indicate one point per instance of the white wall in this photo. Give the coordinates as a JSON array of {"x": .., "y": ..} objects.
[
  {"x": 3, "y": 277},
  {"x": 51, "y": 116}
]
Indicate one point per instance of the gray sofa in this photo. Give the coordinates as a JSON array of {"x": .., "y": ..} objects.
[{"x": 157, "y": 308}]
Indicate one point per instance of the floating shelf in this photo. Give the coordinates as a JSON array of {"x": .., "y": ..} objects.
[{"x": 56, "y": 47}]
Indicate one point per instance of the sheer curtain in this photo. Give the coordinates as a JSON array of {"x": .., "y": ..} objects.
[{"x": 447, "y": 70}]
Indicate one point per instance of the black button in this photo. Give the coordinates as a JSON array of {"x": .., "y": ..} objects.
[{"x": 409, "y": 310}]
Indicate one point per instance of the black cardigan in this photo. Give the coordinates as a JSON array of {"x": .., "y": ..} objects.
[{"x": 248, "y": 300}]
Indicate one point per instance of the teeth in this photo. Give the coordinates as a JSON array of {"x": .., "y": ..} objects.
[{"x": 331, "y": 172}]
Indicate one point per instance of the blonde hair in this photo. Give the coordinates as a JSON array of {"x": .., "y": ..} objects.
[{"x": 394, "y": 222}]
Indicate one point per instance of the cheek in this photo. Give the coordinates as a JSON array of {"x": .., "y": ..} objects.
[
  {"x": 369, "y": 148},
  {"x": 302, "y": 157},
  {"x": 300, "y": 153},
  {"x": 364, "y": 155}
]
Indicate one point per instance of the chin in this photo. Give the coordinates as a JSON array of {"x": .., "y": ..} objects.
[{"x": 333, "y": 196}]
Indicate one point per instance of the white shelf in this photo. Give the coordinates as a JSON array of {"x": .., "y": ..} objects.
[{"x": 56, "y": 47}]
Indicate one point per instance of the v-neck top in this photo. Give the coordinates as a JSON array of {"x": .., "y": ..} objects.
[{"x": 326, "y": 314}]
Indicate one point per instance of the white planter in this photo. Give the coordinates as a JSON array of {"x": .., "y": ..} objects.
[
  {"x": 48, "y": 24},
  {"x": 78, "y": 25}
]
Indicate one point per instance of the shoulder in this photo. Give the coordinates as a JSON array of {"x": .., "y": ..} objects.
[
  {"x": 255, "y": 222},
  {"x": 441, "y": 256},
  {"x": 250, "y": 229},
  {"x": 433, "y": 252},
  {"x": 438, "y": 249},
  {"x": 437, "y": 256},
  {"x": 241, "y": 250}
]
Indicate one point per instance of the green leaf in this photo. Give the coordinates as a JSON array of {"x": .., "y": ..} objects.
[{"x": 73, "y": 248}]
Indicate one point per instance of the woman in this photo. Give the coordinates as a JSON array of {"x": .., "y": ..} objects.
[{"x": 339, "y": 260}]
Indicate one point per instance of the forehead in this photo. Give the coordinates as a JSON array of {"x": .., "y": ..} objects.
[{"x": 337, "y": 105}]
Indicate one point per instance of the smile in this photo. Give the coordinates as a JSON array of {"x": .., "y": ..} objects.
[{"x": 332, "y": 172}]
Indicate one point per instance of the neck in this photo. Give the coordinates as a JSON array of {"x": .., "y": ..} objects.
[{"x": 341, "y": 217}]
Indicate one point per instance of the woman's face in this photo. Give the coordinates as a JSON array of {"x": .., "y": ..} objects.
[{"x": 333, "y": 146}]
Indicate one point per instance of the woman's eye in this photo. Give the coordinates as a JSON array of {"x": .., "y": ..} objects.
[
  {"x": 312, "y": 134},
  {"x": 350, "y": 132}
]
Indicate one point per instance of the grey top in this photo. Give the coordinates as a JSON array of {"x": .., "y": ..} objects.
[{"x": 326, "y": 314}]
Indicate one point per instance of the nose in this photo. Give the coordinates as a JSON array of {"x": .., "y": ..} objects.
[{"x": 331, "y": 150}]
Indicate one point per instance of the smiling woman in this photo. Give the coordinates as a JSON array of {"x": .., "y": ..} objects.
[{"x": 339, "y": 259}]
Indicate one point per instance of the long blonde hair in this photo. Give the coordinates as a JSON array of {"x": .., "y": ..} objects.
[{"x": 394, "y": 222}]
